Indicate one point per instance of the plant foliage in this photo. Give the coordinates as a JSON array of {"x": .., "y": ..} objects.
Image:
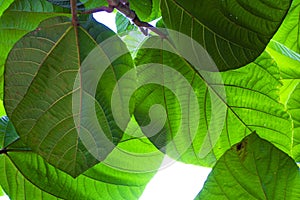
[{"x": 90, "y": 114}]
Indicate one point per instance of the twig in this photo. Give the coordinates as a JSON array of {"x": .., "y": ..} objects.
[{"x": 74, "y": 13}]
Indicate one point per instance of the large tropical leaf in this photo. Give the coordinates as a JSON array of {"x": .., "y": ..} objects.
[
  {"x": 49, "y": 88},
  {"x": 21, "y": 17},
  {"x": 233, "y": 32},
  {"x": 231, "y": 104},
  {"x": 253, "y": 169},
  {"x": 25, "y": 175}
]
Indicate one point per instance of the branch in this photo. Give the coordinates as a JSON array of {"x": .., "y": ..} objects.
[
  {"x": 124, "y": 8},
  {"x": 74, "y": 12}
]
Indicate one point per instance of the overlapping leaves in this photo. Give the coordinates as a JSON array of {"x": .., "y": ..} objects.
[
  {"x": 26, "y": 175},
  {"x": 250, "y": 103},
  {"x": 42, "y": 68}
]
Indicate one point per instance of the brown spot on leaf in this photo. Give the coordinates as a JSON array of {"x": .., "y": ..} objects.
[{"x": 241, "y": 149}]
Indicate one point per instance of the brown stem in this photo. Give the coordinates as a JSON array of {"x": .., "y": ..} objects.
[{"x": 74, "y": 13}]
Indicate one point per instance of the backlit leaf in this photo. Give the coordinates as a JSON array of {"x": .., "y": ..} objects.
[
  {"x": 253, "y": 169},
  {"x": 293, "y": 106},
  {"x": 231, "y": 104},
  {"x": 289, "y": 32}
]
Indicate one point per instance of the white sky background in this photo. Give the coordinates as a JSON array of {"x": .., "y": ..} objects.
[{"x": 178, "y": 181}]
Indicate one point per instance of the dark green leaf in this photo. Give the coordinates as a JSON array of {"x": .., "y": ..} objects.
[
  {"x": 20, "y": 18},
  {"x": 48, "y": 92},
  {"x": 253, "y": 169},
  {"x": 233, "y": 32}
]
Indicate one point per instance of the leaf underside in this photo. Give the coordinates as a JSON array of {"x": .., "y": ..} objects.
[
  {"x": 253, "y": 169},
  {"x": 233, "y": 32},
  {"x": 42, "y": 105}
]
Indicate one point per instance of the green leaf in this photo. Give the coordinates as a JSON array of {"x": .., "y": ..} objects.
[
  {"x": 18, "y": 187},
  {"x": 1, "y": 192},
  {"x": 49, "y": 86},
  {"x": 2, "y": 109},
  {"x": 25, "y": 175},
  {"x": 156, "y": 13},
  {"x": 293, "y": 106},
  {"x": 20, "y": 18},
  {"x": 253, "y": 169},
  {"x": 143, "y": 8},
  {"x": 124, "y": 24},
  {"x": 289, "y": 32},
  {"x": 289, "y": 65},
  {"x": 287, "y": 60},
  {"x": 233, "y": 32},
  {"x": 231, "y": 104},
  {"x": 7, "y": 127},
  {"x": 4, "y": 5}
]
